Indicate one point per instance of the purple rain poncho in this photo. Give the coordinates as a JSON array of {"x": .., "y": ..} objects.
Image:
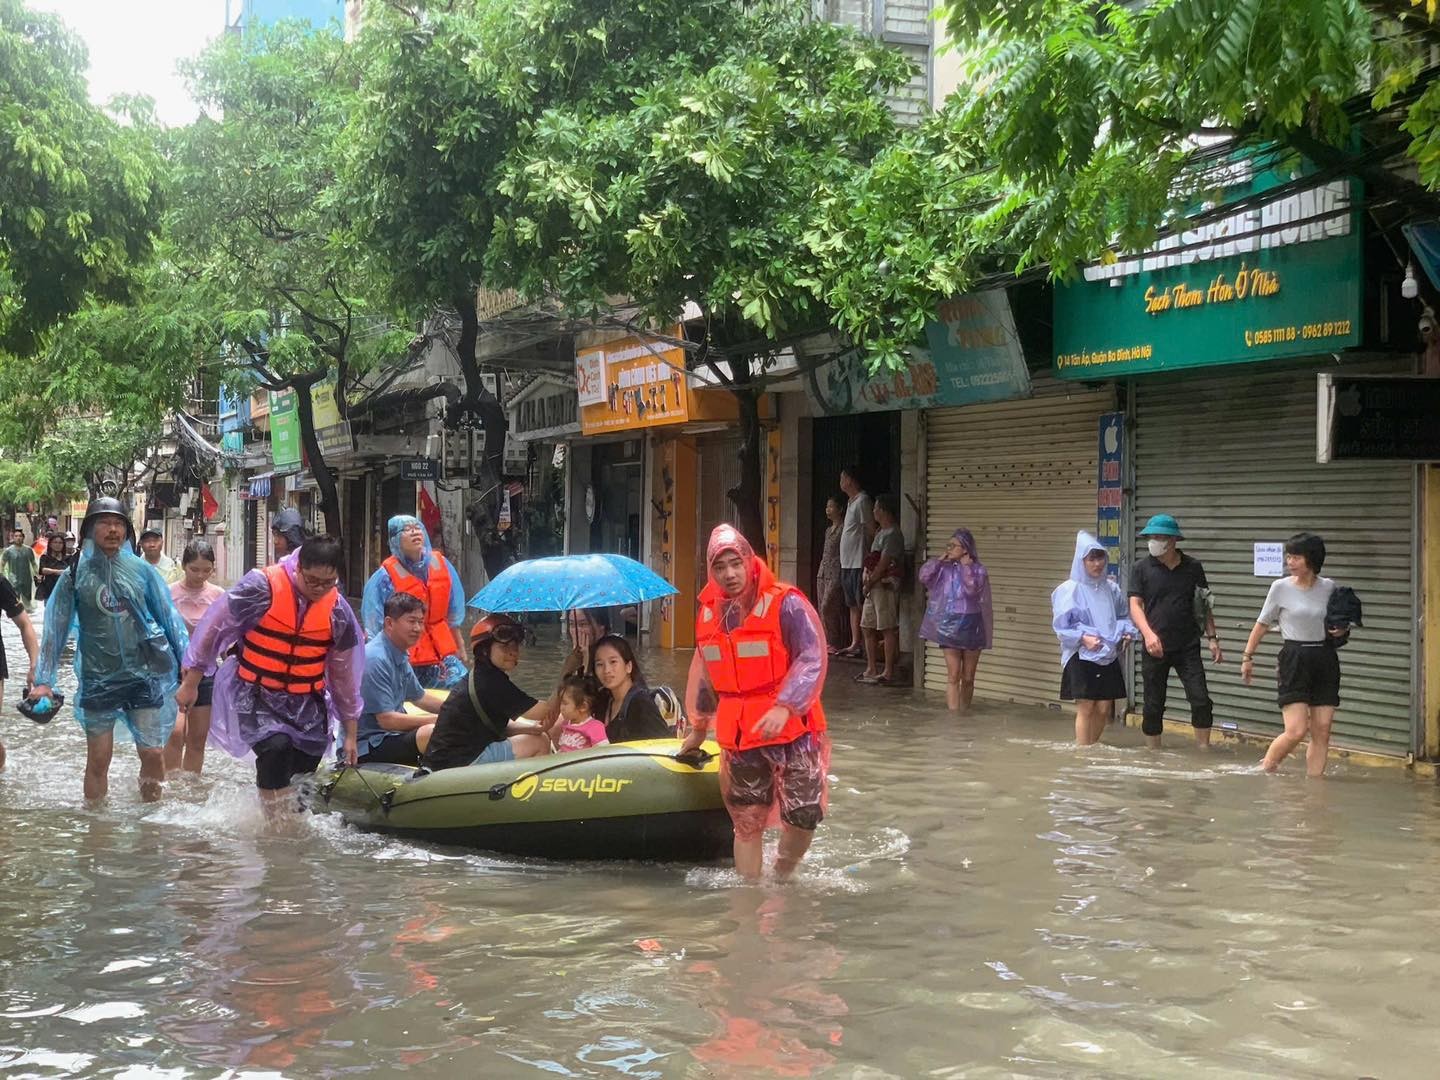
[
  {"x": 1086, "y": 605},
  {"x": 799, "y": 628},
  {"x": 243, "y": 712},
  {"x": 111, "y": 604},
  {"x": 451, "y": 671},
  {"x": 958, "y": 611}
]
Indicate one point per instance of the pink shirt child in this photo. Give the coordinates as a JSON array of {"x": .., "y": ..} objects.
[{"x": 581, "y": 736}]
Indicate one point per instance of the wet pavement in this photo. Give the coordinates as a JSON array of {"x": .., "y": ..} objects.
[{"x": 984, "y": 901}]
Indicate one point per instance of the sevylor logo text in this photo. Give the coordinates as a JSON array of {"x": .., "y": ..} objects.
[{"x": 590, "y": 786}]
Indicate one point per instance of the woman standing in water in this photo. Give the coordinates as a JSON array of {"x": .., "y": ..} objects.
[
  {"x": 193, "y": 594},
  {"x": 829, "y": 597},
  {"x": 1091, "y": 621},
  {"x": 958, "y": 614},
  {"x": 1307, "y": 671},
  {"x": 52, "y": 564},
  {"x": 630, "y": 711}
]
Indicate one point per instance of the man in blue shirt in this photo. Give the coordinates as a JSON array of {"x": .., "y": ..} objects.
[{"x": 387, "y": 733}]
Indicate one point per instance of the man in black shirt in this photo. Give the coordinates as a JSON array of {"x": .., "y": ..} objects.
[
  {"x": 488, "y": 718},
  {"x": 1162, "y": 607},
  {"x": 12, "y": 605}
]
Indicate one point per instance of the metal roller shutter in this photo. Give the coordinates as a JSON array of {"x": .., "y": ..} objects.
[
  {"x": 262, "y": 532},
  {"x": 1233, "y": 457},
  {"x": 1021, "y": 475}
]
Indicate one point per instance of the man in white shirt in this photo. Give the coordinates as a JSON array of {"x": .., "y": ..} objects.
[{"x": 855, "y": 537}]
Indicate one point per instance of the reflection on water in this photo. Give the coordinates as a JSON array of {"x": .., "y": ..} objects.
[{"x": 986, "y": 901}]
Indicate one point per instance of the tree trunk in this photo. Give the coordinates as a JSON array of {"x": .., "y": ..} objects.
[
  {"x": 324, "y": 478},
  {"x": 479, "y": 405},
  {"x": 748, "y": 495}
]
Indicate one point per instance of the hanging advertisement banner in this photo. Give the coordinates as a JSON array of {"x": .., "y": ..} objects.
[
  {"x": 284, "y": 431},
  {"x": 643, "y": 385},
  {"x": 972, "y": 354},
  {"x": 1110, "y": 488},
  {"x": 1282, "y": 280},
  {"x": 590, "y": 377}
]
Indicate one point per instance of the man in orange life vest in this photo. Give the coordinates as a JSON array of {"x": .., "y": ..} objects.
[
  {"x": 756, "y": 678},
  {"x": 296, "y": 670},
  {"x": 414, "y": 567}
]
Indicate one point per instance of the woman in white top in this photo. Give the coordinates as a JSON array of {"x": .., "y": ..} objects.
[{"x": 1307, "y": 671}]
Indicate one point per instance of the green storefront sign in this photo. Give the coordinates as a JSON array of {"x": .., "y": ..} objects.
[
  {"x": 284, "y": 431},
  {"x": 1278, "y": 281}
]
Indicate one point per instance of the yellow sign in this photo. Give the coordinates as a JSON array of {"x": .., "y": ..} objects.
[
  {"x": 322, "y": 405},
  {"x": 772, "y": 500},
  {"x": 644, "y": 385}
]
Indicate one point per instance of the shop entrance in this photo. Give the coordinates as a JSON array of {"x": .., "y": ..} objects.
[
  {"x": 869, "y": 440},
  {"x": 618, "y": 482}
]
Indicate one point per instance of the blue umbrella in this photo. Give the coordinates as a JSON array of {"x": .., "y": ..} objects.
[{"x": 566, "y": 582}]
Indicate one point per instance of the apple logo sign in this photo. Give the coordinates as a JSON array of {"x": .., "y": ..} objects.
[
  {"x": 1112, "y": 438},
  {"x": 1348, "y": 401}
]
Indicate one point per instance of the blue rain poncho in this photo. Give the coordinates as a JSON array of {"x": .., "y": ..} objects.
[
  {"x": 129, "y": 637},
  {"x": 451, "y": 671},
  {"x": 1087, "y": 605}
]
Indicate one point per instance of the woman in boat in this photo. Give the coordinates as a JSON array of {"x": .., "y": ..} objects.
[{"x": 630, "y": 712}]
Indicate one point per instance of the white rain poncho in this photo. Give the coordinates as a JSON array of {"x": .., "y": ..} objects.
[
  {"x": 129, "y": 637},
  {"x": 1087, "y": 605}
]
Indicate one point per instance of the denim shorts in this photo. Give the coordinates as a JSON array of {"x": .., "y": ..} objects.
[
  {"x": 496, "y": 751},
  {"x": 150, "y": 727}
]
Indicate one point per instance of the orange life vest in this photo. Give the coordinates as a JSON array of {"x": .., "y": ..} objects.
[
  {"x": 438, "y": 641},
  {"x": 281, "y": 652},
  {"x": 746, "y": 665}
]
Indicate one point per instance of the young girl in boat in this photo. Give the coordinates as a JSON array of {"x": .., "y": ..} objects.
[{"x": 580, "y": 696}]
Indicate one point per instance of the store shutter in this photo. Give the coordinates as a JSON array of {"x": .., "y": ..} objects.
[
  {"x": 1233, "y": 457},
  {"x": 719, "y": 472},
  {"x": 262, "y": 532},
  {"x": 1021, "y": 475}
]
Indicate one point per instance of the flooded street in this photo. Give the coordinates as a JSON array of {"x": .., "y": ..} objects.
[{"x": 984, "y": 901}]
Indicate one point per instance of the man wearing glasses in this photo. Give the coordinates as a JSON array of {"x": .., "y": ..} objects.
[{"x": 295, "y": 673}]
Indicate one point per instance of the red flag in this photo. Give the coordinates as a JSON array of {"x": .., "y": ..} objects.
[
  {"x": 208, "y": 506},
  {"x": 429, "y": 513}
]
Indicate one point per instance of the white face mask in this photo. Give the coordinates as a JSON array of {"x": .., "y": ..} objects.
[{"x": 1158, "y": 547}]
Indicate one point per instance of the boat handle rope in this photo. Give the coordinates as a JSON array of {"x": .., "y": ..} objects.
[{"x": 696, "y": 759}]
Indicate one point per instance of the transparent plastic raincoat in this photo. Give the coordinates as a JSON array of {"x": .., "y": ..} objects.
[
  {"x": 958, "y": 611},
  {"x": 243, "y": 712},
  {"x": 773, "y": 783},
  {"x": 1086, "y": 605},
  {"x": 451, "y": 671},
  {"x": 128, "y": 642}
]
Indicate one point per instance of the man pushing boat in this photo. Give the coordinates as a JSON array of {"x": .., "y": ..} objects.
[{"x": 758, "y": 671}]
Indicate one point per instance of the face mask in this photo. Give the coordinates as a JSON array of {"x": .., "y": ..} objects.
[{"x": 1158, "y": 547}]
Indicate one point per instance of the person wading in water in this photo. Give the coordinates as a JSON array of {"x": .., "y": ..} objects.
[
  {"x": 756, "y": 679},
  {"x": 295, "y": 673}
]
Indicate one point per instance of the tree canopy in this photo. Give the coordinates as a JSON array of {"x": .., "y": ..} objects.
[{"x": 79, "y": 190}]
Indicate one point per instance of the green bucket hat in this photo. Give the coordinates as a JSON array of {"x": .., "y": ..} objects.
[{"x": 1162, "y": 525}]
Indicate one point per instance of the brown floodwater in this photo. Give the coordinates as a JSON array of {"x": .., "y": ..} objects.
[{"x": 985, "y": 901}]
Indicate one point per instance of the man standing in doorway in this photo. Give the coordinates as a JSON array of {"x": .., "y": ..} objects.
[
  {"x": 152, "y": 546},
  {"x": 756, "y": 677},
  {"x": 855, "y": 536},
  {"x": 20, "y": 568},
  {"x": 287, "y": 532},
  {"x": 1163, "y": 607}
]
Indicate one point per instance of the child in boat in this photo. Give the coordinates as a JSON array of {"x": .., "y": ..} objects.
[{"x": 578, "y": 728}]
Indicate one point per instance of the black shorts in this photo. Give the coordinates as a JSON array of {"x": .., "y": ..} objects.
[
  {"x": 398, "y": 748},
  {"x": 205, "y": 692},
  {"x": 1308, "y": 674},
  {"x": 852, "y": 584},
  {"x": 1085, "y": 680},
  {"x": 277, "y": 762}
]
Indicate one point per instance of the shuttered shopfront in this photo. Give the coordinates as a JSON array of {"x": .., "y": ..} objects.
[
  {"x": 1021, "y": 475},
  {"x": 1233, "y": 457}
]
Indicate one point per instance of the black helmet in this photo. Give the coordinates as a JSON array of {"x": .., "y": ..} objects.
[
  {"x": 105, "y": 504},
  {"x": 289, "y": 524}
]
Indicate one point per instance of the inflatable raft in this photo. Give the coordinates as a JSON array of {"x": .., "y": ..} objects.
[{"x": 621, "y": 801}]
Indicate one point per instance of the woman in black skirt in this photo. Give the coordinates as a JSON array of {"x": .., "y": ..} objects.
[{"x": 1091, "y": 622}]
